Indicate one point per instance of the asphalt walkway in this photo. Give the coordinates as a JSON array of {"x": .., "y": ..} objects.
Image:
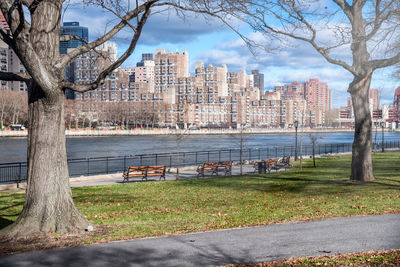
[
  {"x": 243, "y": 245},
  {"x": 184, "y": 173}
]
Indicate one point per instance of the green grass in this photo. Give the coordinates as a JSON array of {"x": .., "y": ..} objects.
[{"x": 135, "y": 210}]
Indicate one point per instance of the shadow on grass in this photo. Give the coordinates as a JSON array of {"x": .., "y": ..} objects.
[
  {"x": 7, "y": 209},
  {"x": 330, "y": 177},
  {"x": 4, "y": 222}
]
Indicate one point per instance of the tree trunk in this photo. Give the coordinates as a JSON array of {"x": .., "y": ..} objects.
[
  {"x": 48, "y": 203},
  {"x": 361, "y": 164}
]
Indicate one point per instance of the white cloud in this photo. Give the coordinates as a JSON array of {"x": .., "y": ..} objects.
[{"x": 161, "y": 27}]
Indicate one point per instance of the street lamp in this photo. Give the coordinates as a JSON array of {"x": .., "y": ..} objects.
[
  {"x": 296, "y": 124},
  {"x": 383, "y": 136}
]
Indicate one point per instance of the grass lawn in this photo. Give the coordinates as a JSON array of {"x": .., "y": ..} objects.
[{"x": 139, "y": 209}]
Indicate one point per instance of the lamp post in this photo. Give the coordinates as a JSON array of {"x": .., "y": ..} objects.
[
  {"x": 296, "y": 124},
  {"x": 383, "y": 136}
]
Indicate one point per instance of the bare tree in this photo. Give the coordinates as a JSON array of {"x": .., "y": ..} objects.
[
  {"x": 34, "y": 36},
  {"x": 3, "y": 102},
  {"x": 13, "y": 107},
  {"x": 365, "y": 30}
]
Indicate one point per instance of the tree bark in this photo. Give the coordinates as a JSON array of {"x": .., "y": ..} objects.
[
  {"x": 361, "y": 164},
  {"x": 48, "y": 203}
]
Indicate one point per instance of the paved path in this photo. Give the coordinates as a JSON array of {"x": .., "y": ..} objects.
[
  {"x": 183, "y": 174},
  {"x": 244, "y": 245}
]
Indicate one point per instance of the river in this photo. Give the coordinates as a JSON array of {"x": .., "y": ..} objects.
[{"x": 14, "y": 149}]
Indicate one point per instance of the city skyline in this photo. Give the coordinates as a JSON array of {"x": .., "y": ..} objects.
[{"x": 211, "y": 43}]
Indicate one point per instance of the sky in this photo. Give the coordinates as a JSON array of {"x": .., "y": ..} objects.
[{"x": 208, "y": 41}]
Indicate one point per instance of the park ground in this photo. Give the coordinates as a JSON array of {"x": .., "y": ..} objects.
[{"x": 135, "y": 210}]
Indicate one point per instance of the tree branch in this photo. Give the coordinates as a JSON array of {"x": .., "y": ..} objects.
[
  {"x": 14, "y": 15},
  {"x": 345, "y": 7},
  {"x": 86, "y": 48},
  {"x": 11, "y": 76},
  {"x": 380, "y": 17},
  {"x": 383, "y": 63},
  {"x": 6, "y": 38},
  {"x": 66, "y": 38},
  {"x": 100, "y": 79}
]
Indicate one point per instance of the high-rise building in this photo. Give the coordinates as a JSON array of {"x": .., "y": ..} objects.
[
  {"x": 258, "y": 80},
  {"x": 396, "y": 106},
  {"x": 73, "y": 29},
  {"x": 10, "y": 62},
  {"x": 168, "y": 68},
  {"x": 109, "y": 48},
  {"x": 145, "y": 57},
  {"x": 292, "y": 91},
  {"x": 374, "y": 98},
  {"x": 317, "y": 94}
]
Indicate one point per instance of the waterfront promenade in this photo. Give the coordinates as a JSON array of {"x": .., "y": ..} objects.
[{"x": 116, "y": 178}]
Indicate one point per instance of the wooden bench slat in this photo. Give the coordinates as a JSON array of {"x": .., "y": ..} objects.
[
  {"x": 214, "y": 167},
  {"x": 144, "y": 172}
]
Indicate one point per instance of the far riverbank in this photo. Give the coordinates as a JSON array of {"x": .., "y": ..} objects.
[{"x": 141, "y": 132}]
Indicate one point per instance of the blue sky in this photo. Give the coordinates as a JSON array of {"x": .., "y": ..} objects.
[{"x": 212, "y": 43}]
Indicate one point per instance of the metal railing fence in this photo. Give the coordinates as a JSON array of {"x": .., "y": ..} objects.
[{"x": 16, "y": 172}]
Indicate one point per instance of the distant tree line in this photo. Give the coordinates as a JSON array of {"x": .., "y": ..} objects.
[{"x": 13, "y": 108}]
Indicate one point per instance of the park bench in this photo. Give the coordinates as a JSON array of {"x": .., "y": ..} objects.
[
  {"x": 283, "y": 163},
  {"x": 269, "y": 164},
  {"x": 225, "y": 166},
  {"x": 144, "y": 172},
  {"x": 214, "y": 168},
  {"x": 207, "y": 167}
]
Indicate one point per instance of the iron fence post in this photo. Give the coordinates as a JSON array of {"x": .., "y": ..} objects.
[
  {"x": 20, "y": 174},
  {"x": 88, "y": 166},
  {"x": 107, "y": 165},
  {"x": 124, "y": 163}
]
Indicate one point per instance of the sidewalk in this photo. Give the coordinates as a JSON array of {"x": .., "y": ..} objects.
[
  {"x": 116, "y": 178},
  {"x": 184, "y": 173},
  {"x": 243, "y": 245}
]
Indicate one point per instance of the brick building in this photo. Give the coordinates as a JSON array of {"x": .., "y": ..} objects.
[{"x": 9, "y": 62}]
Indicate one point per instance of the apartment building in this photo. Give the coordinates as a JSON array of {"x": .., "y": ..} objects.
[
  {"x": 258, "y": 79},
  {"x": 73, "y": 29},
  {"x": 317, "y": 94},
  {"x": 10, "y": 62},
  {"x": 395, "y": 113},
  {"x": 168, "y": 68},
  {"x": 212, "y": 97}
]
